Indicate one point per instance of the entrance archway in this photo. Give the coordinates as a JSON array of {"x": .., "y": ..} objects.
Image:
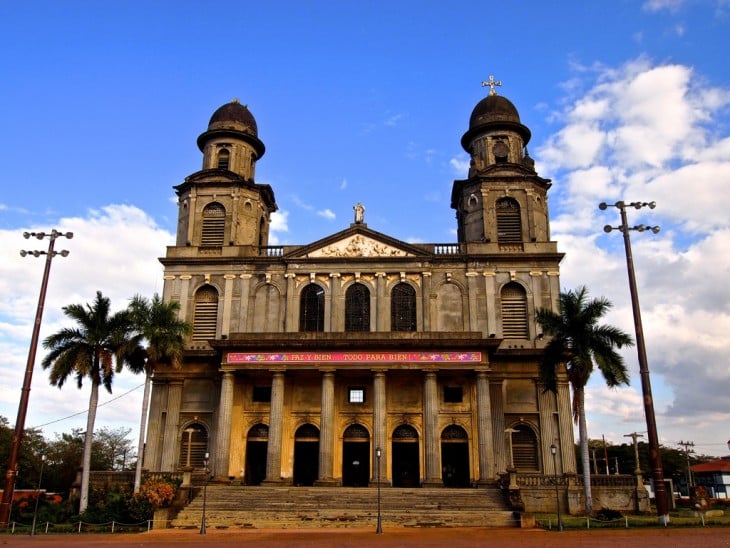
[
  {"x": 455, "y": 457},
  {"x": 306, "y": 454},
  {"x": 356, "y": 456},
  {"x": 405, "y": 461},
  {"x": 257, "y": 442}
]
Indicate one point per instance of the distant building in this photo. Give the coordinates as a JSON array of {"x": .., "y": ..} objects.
[
  {"x": 714, "y": 476},
  {"x": 307, "y": 358}
]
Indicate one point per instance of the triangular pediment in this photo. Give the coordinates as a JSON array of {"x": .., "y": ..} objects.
[{"x": 358, "y": 241}]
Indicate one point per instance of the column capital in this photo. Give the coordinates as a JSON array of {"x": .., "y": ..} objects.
[
  {"x": 471, "y": 274},
  {"x": 245, "y": 276},
  {"x": 229, "y": 276},
  {"x": 335, "y": 275},
  {"x": 536, "y": 273},
  {"x": 185, "y": 277},
  {"x": 169, "y": 277},
  {"x": 489, "y": 273}
]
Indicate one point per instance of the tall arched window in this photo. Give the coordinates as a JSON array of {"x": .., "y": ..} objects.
[
  {"x": 224, "y": 158},
  {"x": 357, "y": 308},
  {"x": 311, "y": 309},
  {"x": 509, "y": 223},
  {"x": 205, "y": 314},
  {"x": 214, "y": 224},
  {"x": 524, "y": 449},
  {"x": 193, "y": 446},
  {"x": 403, "y": 308},
  {"x": 514, "y": 312}
]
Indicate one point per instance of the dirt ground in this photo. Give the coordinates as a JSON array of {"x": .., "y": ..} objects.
[{"x": 685, "y": 537}]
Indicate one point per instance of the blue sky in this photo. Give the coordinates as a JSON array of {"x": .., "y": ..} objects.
[{"x": 101, "y": 104}]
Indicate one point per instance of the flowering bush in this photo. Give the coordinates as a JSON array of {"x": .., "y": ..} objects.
[{"x": 157, "y": 493}]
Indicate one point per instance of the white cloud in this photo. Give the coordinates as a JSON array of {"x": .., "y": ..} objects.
[{"x": 327, "y": 214}]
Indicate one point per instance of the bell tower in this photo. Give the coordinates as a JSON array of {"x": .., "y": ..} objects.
[
  {"x": 503, "y": 201},
  {"x": 221, "y": 205}
]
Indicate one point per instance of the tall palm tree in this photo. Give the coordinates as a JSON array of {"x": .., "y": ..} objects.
[
  {"x": 163, "y": 333},
  {"x": 94, "y": 349},
  {"x": 579, "y": 343}
]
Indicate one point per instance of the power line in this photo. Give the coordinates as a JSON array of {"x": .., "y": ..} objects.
[{"x": 86, "y": 410}]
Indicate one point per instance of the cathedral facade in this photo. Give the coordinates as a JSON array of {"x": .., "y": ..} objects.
[{"x": 360, "y": 358}]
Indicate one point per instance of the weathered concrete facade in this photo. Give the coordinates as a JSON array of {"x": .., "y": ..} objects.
[{"x": 315, "y": 363}]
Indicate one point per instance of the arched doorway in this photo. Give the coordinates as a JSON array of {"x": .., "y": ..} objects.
[
  {"x": 406, "y": 464},
  {"x": 455, "y": 457},
  {"x": 257, "y": 442},
  {"x": 306, "y": 454},
  {"x": 193, "y": 446},
  {"x": 356, "y": 456}
]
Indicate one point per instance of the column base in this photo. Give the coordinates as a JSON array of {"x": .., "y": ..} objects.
[
  {"x": 330, "y": 482},
  {"x": 432, "y": 483},
  {"x": 276, "y": 482},
  {"x": 383, "y": 483}
]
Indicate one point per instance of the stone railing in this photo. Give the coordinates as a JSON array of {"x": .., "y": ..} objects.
[
  {"x": 273, "y": 251},
  {"x": 446, "y": 249}
]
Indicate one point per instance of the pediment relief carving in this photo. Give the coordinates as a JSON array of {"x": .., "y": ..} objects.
[{"x": 359, "y": 246}]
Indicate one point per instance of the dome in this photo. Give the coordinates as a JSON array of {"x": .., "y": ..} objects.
[
  {"x": 233, "y": 120},
  {"x": 493, "y": 113}
]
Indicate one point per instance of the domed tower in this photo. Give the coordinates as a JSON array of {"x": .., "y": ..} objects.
[
  {"x": 221, "y": 205},
  {"x": 503, "y": 201}
]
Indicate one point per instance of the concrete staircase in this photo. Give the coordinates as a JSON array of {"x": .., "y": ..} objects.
[{"x": 316, "y": 507}]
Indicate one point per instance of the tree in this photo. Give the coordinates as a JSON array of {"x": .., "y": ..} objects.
[
  {"x": 578, "y": 343},
  {"x": 158, "y": 324},
  {"x": 95, "y": 349}
]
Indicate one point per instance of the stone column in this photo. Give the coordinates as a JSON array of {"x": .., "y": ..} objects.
[
  {"x": 382, "y": 310},
  {"x": 565, "y": 425},
  {"x": 471, "y": 285},
  {"x": 152, "y": 451},
  {"x": 501, "y": 459},
  {"x": 430, "y": 426},
  {"x": 291, "y": 324},
  {"x": 227, "y": 300},
  {"x": 223, "y": 438},
  {"x": 490, "y": 289},
  {"x": 326, "y": 430},
  {"x": 487, "y": 473},
  {"x": 546, "y": 407},
  {"x": 185, "y": 297},
  {"x": 170, "y": 441},
  {"x": 379, "y": 426},
  {"x": 276, "y": 423},
  {"x": 335, "y": 320},
  {"x": 246, "y": 322},
  {"x": 425, "y": 301}
]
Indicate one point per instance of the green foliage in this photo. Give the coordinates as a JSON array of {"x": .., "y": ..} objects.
[{"x": 607, "y": 514}]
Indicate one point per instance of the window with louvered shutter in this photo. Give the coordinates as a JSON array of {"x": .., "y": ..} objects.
[
  {"x": 224, "y": 158},
  {"x": 205, "y": 315},
  {"x": 403, "y": 308},
  {"x": 509, "y": 223},
  {"x": 524, "y": 449},
  {"x": 194, "y": 443},
  {"x": 214, "y": 224},
  {"x": 514, "y": 312}
]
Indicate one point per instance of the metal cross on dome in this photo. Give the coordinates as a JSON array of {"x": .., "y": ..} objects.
[{"x": 492, "y": 83}]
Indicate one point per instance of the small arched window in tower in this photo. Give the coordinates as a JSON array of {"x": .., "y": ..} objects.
[
  {"x": 509, "y": 223},
  {"x": 205, "y": 314},
  {"x": 357, "y": 308},
  {"x": 514, "y": 312},
  {"x": 403, "y": 308},
  {"x": 311, "y": 309},
  {"x": 501, "y": 152},
  {"x": 224, "y": 158},
  {"x": 214, "y": 225},
  {"x": 524, "y": 449}
]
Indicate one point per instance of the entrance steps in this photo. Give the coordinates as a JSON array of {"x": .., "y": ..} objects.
[{"x": 287, "y": 507}]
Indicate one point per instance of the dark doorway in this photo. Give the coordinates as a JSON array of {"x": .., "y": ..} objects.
[
  {"x": 356, "y": 456},
  {"x": 256, "y": 445},
  {"x": 455, "y": 457},
  {"x": 306, "y": 455},
  {"x": 406, "y": 467}
]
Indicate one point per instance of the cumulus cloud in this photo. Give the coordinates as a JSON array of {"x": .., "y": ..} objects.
[{"x": 327, "y": 214}]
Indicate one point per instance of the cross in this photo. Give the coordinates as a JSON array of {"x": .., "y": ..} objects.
[{"x": 491, "y": 83}]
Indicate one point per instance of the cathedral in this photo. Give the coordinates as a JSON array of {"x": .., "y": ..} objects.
[{"x": 361, "y": 359}]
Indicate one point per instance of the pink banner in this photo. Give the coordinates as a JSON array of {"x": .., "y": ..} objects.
[{"x": 354, "y": 357}]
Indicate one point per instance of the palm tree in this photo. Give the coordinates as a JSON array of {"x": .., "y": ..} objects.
[
  {"x": 90, "y": 350},
  {"x": 579, "y": 343},
  {"x": 158, "y": 324}
]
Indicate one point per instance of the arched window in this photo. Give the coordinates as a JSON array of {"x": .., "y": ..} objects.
[
  {"x": 224, "y": 158},
  {"x": 357, "y": 308},
  {"x": 524, "y": 449},
  {"x": 403, "y": 308},
  {"x": 311, "y": 309},
  {"x": 193, "y": 446},
  {"x": 214, "y": 224},
  {"x": 509, "y": 223},
  {"x": 514, "y": 312},
  {"x": 205, "y": 314}
]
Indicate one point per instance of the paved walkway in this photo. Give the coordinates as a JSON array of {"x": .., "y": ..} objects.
[{"x": 684, "y": 537}]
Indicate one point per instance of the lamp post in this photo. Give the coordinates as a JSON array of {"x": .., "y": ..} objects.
[
  {"x": 205, "y": 489},
  {"x": 653, "y": 438},
  {"x": 379, "y": 527},
  {"x": 11, "y": 473},
  {"x": 37, "y": 495},
  {"x": 553, "y": 451}
]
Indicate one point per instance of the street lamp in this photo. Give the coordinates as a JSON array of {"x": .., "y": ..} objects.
[
  {"x": 12, "y": 471},
  {"x": 379, "y": 528},
  {"x": 37, "y": 495},
  {"x": 654, "y": 457},
  {"x": 554, "y": 450},
  {"x": 205, "y": 489}
]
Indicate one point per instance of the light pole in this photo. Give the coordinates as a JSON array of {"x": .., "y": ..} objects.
[
  {"x": 553, "y": 451},
  {"x": 12, "y": 471},
  {"x": 379, "y": 528},
  {"x": 653, "y": 438},
  {"x": 37, "y": 495},
  {"x": 205, "y": 489}
]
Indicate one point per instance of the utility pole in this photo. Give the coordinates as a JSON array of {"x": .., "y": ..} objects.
[{"x": 687, "y": 451}]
